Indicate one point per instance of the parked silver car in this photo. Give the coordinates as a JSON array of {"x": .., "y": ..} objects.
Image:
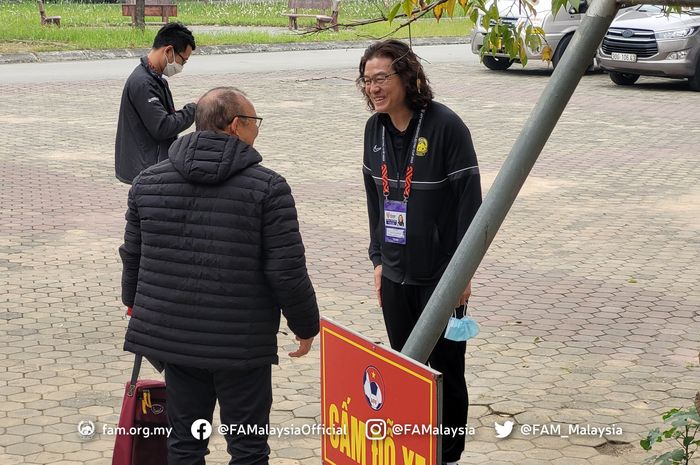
[
  {"x": 558, "y": 30},
  {"x": 645, "y": 41}
]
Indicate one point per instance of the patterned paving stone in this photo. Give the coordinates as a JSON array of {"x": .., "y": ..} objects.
[{"x": 587, "y": 299}]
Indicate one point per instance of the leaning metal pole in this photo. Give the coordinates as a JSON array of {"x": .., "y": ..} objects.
[{"x": 510, "y": 179}]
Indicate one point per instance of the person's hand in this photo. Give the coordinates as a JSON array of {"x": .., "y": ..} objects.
[
  {"x": 378, "y": 283},
  {"x": 304, "y": 347},
  {"x": 465, "y": 295}
]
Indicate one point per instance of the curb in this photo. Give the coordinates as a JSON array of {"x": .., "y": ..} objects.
[{"x": 80, "y": 55}]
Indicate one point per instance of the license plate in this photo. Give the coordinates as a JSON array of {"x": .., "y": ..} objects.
[{"x": 631, "y": 57}]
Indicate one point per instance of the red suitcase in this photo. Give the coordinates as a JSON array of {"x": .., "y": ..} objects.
[{"x": 144, "y": 406}]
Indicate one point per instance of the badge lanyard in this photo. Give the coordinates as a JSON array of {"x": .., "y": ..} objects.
[
  {"x": 409, "y": 168},
  {"x": 396, "y": 211}
]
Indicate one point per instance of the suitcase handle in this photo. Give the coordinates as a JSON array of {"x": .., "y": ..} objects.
[{"x": 134, "y": 375}]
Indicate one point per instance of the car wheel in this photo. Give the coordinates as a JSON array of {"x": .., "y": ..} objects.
[
  {"x": 623, "y": 79},
  {"x": 694, "y": 82},
  {"x": 561, "y": 48},
  {"x": 559, "y": 52},
  {"x": 497, "y": 63}
]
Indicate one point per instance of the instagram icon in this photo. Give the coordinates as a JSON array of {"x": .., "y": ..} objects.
[{"x": 375, "y": 429}]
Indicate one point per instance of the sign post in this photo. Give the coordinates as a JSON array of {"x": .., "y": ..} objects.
[{"x": 382, "y": 407}]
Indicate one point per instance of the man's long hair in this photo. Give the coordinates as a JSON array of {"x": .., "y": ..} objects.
[{"x": 406, "y": 65}]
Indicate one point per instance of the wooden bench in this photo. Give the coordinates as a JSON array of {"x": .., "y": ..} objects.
[
  {"x": 47, "y": 20},
  {"x": 163, "y": 8},
  {"x": 324, "y": 11}
]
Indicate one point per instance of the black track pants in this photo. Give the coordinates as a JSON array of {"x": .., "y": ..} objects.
[
  {"x": 245, "y": 398},
  {"x": 402, "y": 305}
]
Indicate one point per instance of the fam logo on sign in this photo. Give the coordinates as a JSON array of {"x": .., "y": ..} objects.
[{"x": 373, "y": 385}]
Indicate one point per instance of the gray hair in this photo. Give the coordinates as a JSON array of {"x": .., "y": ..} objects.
[{"x": 217, "y": 108}]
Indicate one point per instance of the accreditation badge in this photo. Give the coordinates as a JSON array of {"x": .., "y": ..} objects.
[{"x": 395, "y": 221}]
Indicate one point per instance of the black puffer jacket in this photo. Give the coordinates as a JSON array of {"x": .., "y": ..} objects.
[{"x": 212, "y": 252}]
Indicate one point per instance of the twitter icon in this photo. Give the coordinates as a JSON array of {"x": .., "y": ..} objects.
[{"x": 504, "y": 430}]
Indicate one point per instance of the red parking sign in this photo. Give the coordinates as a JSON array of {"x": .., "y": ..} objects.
[{"x": 379, "y": 406}]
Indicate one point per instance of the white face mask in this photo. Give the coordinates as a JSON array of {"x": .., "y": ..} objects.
[{"x": 171, "y": 69}]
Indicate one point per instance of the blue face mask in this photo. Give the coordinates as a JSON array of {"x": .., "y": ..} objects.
[{"x": 461, "y": 329}]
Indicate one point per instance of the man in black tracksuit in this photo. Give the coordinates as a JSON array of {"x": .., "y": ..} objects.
[
  {"x": 148, "y": 122},
  {"x": 423, "y": 189},
  {"x": 212, "y": 256}
]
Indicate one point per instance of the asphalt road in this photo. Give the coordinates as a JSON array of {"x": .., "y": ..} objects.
[{"x": 73, "y": 71}]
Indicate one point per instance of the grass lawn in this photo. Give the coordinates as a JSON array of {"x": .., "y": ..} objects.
[{"x": 102, "y": 26}]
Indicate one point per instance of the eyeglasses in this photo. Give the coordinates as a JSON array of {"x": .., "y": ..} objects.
[
  {"x": 258, "y": 120},
  {"x": 379, "y": 80}
]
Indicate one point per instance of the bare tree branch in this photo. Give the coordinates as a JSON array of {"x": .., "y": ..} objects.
[{"x": 416, "y": 14}]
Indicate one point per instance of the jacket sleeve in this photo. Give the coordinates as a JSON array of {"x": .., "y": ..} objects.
[
  {"x": 284, "y": 262},
  {"x": 130, "y": 251},
  {"x": 463, "y": 174},
  {"x": 373, "y": 213},
  {"x": 373, "y": 210},
  {"x": 159, "y": 122}
]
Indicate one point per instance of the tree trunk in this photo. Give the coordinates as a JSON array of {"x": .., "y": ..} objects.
[{"x": 139, "y": 15}]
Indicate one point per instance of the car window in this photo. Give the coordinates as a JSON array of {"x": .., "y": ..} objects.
[{"x": 651, "y": 8}]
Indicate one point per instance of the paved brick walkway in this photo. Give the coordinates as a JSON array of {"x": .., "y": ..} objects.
[{"x": 588, "y": 298}]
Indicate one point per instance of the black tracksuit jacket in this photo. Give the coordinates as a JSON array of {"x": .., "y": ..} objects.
[
  {"x": 148, "y": 122},
  {"x": 445, "y": 194}
]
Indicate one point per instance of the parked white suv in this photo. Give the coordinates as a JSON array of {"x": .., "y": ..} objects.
[
  {"x": 558, "y": 30},
  {"x": 645, "y": 41}
]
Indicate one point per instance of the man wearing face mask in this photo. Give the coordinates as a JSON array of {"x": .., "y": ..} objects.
[{"x": 148, "y": 121}]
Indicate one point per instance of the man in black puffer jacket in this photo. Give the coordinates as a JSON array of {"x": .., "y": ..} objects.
[{"x": 212, "y": 253}]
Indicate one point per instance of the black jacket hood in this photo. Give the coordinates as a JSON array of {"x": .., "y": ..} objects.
[{"x": 208, "y": 157}]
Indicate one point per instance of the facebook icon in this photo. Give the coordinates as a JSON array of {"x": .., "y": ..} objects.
[{"x": 201, "y": 429}]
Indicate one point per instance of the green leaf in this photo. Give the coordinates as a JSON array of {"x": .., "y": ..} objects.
[
  {"x": 474, "y": 16},
  {"x": 557, "y": 4},
  {"x": 575, "y": 4},
  {"x": 670, "y": 458},
  {"x": 670, "y": 413},
  {"x": 492, "y": 13},
  {"x": 684, "y": 419},
  {"x": 508, "y": 42},
  {"x": 394, "y": 11},
  {"x": 669, "y": 433},
  {"x": 652, "y": 437},
  {"x": 408, "y": 7},
  {"x": 523, "y": 52}
]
